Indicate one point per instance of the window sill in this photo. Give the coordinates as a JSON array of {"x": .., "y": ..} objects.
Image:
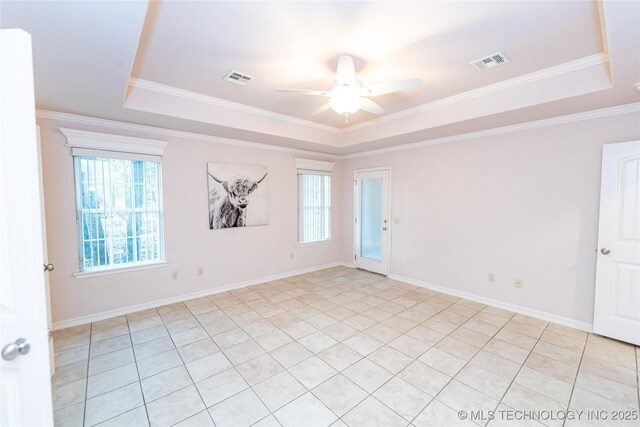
[
  {"x": 116, "y": 270},
  {"x": 320, "y": 242}
]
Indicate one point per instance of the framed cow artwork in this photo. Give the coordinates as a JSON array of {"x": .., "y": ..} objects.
[{"x": 238, "y": 195}]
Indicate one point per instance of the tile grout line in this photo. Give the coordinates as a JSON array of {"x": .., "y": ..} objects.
[
  {"x": 637, "y": 354},
  {"x": 317, "y": 288},
  {"x": 407, "y": 308},
  {"x": 86, "y": 388},
  {"x": 522, "y": 366},
  {"x": 466, "y": 363},
  {"x": 135, "y": 360},
  {"x": 193, "y": 382},
  {"x": 573, "y": 386},
  {"x": 386, "y": 344},
  {"x": 307, "y": 390},
  {"x": 120, "y": 387},
  {"x": 414, "y": 360},
  {"x": 233, "y": 366}
]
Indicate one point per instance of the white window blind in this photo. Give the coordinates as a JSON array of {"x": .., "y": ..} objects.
[
  {"x": 118, "y": 200},
  {"x": 314, "y": 201}
]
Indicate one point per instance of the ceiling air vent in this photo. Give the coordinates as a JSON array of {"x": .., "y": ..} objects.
[
  {"x": 490, "y": 61},
  {"x": 238, "y": 78}
]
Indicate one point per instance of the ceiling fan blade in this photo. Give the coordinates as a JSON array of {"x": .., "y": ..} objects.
[
  {"x": 390, "y": 87},
  {"x": 370, "y": 106},
  {"x": 346, "y": 72},
  {"x": 305, "y": 91},
  {"x": 322, "y": 109}
]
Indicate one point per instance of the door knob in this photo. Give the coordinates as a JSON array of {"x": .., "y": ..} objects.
[
  {"x": 20, "y": 347},
  {"x": 48, "y": 267},
  {"x": 605, "y": 251},
  {"x": 384, "y": 228}
]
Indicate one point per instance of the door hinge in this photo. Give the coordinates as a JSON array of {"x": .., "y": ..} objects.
[
  {"x": 356, "y": 220},
  {"x": 355, "y": 257}
]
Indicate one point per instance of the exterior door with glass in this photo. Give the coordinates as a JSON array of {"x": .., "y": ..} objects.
[{"x": 372, "y": 220}]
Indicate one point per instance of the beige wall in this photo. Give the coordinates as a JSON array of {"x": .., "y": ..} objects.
[
  {"x": 228, "y": 256},
  {"x": 520, "y": 205}
]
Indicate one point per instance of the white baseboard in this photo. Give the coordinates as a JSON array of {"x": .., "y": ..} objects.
[
  {"x": 583, "y": 326},
  {"x": 211, "y": 291}
]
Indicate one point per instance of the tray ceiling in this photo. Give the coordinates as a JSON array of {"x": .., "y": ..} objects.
[{"x": 162, "y": 64}]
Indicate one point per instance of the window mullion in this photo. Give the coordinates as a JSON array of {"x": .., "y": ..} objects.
[
  {"x": 92, "y": 222},
  {"x": 134, "y": 228},
  {"x": 105, "y": 231}
]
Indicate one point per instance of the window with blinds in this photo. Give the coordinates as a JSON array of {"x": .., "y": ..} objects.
[
  {"x": 119, "y": 210},
  {"x": 314, "y": 206}
]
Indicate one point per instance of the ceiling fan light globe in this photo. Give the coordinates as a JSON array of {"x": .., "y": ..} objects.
[
  {"x": 345, "y": 100},
  {"x": 345, "y": 104}
]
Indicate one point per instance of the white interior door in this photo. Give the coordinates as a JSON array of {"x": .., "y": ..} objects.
[
  {"x": 25, "y": 384},
  {"x": 372, "y": 220},
  {"x": 617, "y": 300}
]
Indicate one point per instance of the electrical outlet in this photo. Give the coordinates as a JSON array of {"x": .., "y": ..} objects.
[
  {"x": 492, "y": 277},
  {"x": 174, "y": 275},
  {"x": 200, "y": 271},
  {"x": 291, "y": 255},
  {"x": 518, "y": 283}
]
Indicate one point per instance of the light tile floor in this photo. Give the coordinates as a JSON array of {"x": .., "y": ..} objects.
[{"x": 338, "y": 347}]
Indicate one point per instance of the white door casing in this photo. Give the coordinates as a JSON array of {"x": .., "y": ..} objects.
[
  {"x": 45, "y": 257},
  {"x": 617, "y": 298},
  {"x": 382, "y": 221},
  {"x": 25, "y": 384}
]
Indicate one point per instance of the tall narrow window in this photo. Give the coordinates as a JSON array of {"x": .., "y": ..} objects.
[
  {"x": 118, "y": 202},
  {"x": 314, "y": 201}
]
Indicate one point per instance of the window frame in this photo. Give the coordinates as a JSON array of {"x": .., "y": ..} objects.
[
  {"x": 314, "y": 168},
  {"x": 107, "y": 146}
]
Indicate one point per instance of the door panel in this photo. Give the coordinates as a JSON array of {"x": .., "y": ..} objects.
[
  {"x": 371, "y": 221},
  {"x": 25, "y": 385},
  {"x": 617, "y": 302}
]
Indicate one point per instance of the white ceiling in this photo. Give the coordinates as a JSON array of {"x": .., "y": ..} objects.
[{"x": 161, "y": 64}]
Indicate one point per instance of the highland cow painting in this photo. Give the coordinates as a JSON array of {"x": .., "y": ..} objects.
[{"x": 238, "y": 195}]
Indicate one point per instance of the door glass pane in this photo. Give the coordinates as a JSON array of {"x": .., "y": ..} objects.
[{"x": 371, "y": 219}]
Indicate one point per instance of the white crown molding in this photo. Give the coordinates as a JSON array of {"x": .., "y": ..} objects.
[
  {"x": 170, "y": 133},
  {"x": 557, "y": 70},
  {"x": 223, "y": 103},
  {"x": 109, "y": 142},
  {"x": 314, "y": 165},
  {"x": 554, "y": 121}
]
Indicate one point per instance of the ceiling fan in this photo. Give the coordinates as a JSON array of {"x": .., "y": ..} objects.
[{"x": 348, "y": 95}]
